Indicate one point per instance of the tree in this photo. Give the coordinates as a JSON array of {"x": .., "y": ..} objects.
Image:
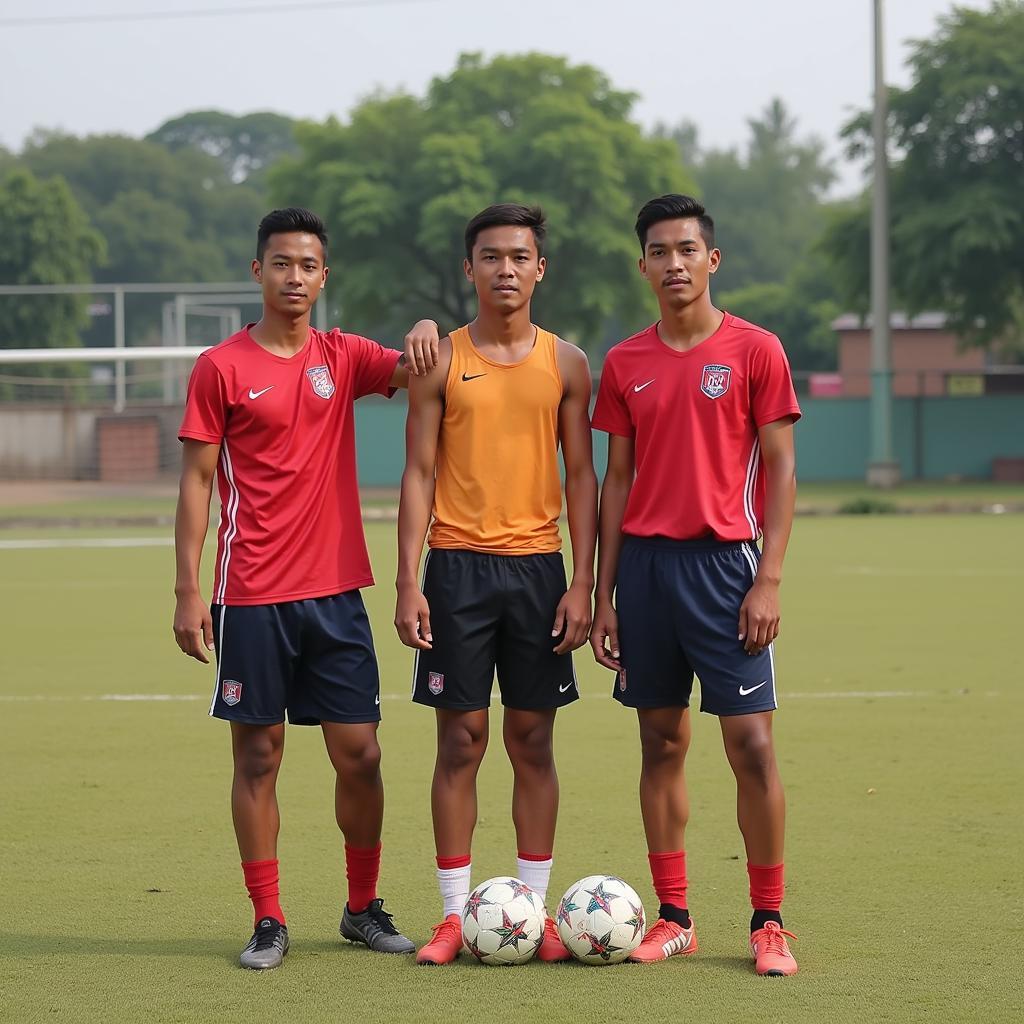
[
  {"x": 150, "y": 239},
  {"x": 246, "y": 146},
  {"x": 47, "y": 240},
  {"x": 100, "y": 167},
  {"x": 957, "y": 224},
  {"x": 792, "y": 311},
  {"x": 768, "y": 202},
  {"x": 397, "y": 183},
  {"x": 770, "y": 210},
  {"x": 167, "y": 215}
]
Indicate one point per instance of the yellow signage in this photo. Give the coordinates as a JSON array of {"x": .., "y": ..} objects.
[{"x": 963, "y": 385}]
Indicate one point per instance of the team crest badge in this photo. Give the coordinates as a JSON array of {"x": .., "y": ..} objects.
[
  {"x": 231, "y": 692},
  {"x": 320, "y": 378},
  {"x": 715, "y": 380},
  {"x": 435, "y": 682}
]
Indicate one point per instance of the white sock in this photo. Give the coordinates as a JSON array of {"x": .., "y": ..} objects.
[
  {"x": 535, "y": 873},
  {"x": 454, "y": 886}
]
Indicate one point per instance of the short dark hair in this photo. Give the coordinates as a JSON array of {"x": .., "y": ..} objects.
[
  {"x": 510, "y": 215},
  {"x": 674, "y": 207},
  {"x": 288, "y": 221}
]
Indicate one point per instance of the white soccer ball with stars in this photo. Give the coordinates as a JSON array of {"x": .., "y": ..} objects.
[
  {"x": 601, "y": 920},
  {"x": 503, "y": 921}
]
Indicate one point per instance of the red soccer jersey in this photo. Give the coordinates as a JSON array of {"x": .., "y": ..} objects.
[
  {"x": 290, "y": 523},
  {"x": 694, "y": 417}
]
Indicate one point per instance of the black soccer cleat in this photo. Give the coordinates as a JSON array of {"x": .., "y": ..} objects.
[
  {"x": 267, "y": 947},
  {"x": 374, "y": 928}
]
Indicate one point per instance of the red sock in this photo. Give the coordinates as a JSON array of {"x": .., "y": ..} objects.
[
  {"x": 767, "y": 885},
  {"x": 263, "y": 883},
  {"x": 363, "y": 869},
  {"x": 668, "y": 870},
  {"x": 451, "y": 863}
]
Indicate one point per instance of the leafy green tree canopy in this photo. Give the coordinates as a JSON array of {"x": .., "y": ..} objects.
[
  {"x": 47, "y": 240},
  {"x": 397, "y": 182},
  {"x": 166, "y": 215},
  {"x": 245, "y": 145},
  {"x": 767, "y": 201},
  {"x": 956, "y": 183}
]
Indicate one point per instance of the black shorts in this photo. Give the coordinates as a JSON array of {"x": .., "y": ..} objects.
[
  {"x": 492, "y": 612},
  {"x": 678, "y": 604},
  {"x": 313, "y": 659}
]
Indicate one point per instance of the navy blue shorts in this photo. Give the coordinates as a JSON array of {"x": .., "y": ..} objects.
[
  {"x": 313, "y": 659},
  {"x": 678, "y": 604}
]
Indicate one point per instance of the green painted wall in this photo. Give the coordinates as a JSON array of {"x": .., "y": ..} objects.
[{"x": 934, "y": 438}]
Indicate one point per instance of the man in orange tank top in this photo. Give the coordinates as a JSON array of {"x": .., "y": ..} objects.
[{"x": 481, "y": 471}]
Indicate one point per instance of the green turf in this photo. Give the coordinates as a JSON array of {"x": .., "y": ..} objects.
[
  {"x": 124, "y": 508},
  {"x": 925, "y": 495},
  {"x": 120, "y": 507},
  {"x": 124, "y": 899}
]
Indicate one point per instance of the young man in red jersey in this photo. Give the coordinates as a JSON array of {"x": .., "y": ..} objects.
[
  {"x": 699, "y": 409},
  {"x": 482, "y": 443},
  {"x": 269, "y": 412}
]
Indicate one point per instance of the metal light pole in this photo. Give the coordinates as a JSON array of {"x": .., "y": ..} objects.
[{"x": 883, "y": 469}]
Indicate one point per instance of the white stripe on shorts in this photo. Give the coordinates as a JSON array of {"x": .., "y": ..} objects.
[
  {"x": 416, "y": 660},
  {"x": 220, "y": 657},
  {"x": 748, "y": 554}
]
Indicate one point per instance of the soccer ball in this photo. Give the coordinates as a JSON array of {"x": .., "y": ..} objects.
[
  {"x": 601, "y": 920},
  {"x": 503, "y": 921}
]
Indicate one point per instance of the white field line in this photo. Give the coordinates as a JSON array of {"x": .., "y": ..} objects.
[
  {"x": 937, "y": 572},
  {"x": 173, "y": 697},
  {"x": 46, "y": 544}
]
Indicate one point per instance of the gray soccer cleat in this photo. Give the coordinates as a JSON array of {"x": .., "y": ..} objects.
[
  {"x": 267, "y": 947},
  {"x": 374, "y": 928}
]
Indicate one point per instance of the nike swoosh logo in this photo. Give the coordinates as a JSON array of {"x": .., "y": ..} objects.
[
  {"x": 376, "y": 700},
  {"x": 474, "y": 376},
  {"x": 640, "y": 387},
  {"x": 744, "y": 691},
  {"x": 256, "y": 394},
  {"x": 562, "y": 689}
]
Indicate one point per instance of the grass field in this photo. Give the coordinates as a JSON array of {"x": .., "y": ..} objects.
[
  {"x": 899, "y": 739},
  {"x": 91, "y": 503}
]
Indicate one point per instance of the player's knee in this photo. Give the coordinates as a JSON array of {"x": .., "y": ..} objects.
[
  {"x": 460, "y": 748},
  {"x": 753, "y": 756},
  {"x": 531, "y": 749},
  {"x": 258, "y": 761},
  {"x": 532, "y": 753},
  {"x": 361, "y": 761},
  {"x": 661, "y": 749}
]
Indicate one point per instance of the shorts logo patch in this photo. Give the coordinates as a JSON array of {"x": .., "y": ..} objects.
[
  {"x": 320, "y": 378},
  {"x": 622, "y": 679},
  {"x": 435, "y": 682},
  {"x": 715, "y": 380},
  {"x": 231, "y": 692}
]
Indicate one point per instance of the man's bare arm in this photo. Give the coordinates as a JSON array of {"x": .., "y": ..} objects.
[
  {"x": 422, "y": 426},
  {"x": 760, "y": 613},
  {"x": 193, "y": 627},
  {"x": 574, "y": 612},
  {"x": 618, "y": 482}
]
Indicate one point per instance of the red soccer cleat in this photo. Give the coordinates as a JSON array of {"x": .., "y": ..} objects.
[
  {"x": 665, "y": 939},
  {"x": 552, "y": 948},
  {"x": 770, "y": 951},
  {"x": 445, "y": 944}
]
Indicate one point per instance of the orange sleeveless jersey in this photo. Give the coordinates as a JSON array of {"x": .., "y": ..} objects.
[{"x": 498, "y": 488}]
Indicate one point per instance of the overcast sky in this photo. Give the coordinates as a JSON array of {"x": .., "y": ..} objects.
[{"x": 716, "y": 63}]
